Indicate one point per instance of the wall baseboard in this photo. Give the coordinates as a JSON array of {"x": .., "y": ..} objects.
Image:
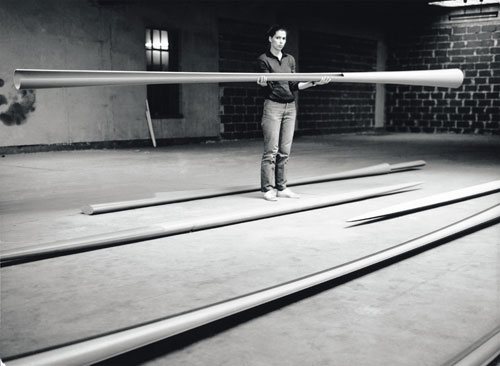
[{"x": 95, "y": 145}]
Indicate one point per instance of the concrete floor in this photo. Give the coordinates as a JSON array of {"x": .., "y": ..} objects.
[{"x": 421, "y": 311}]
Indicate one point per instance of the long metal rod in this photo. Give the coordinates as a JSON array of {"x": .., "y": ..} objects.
[
  {"x": 66, "y": 247},
  {"x": 37, "y": 78},
  {"x": 432, "y": 201},
  {"x": 150, "y": 125},
  {"x": 481, "y": 353},
  {"x": 101, "y": 348},
  {"x": 182, "y": 196}
]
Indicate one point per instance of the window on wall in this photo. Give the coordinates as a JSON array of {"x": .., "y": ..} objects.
[{"x": 162, "y": 55}]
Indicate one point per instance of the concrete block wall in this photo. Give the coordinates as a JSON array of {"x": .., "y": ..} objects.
[
  {"x": 240, "y": 44},
  {"x": 335, "y": 108},
  {"x": 438, "y": 43},
  {"x": 102, "y": 34}
]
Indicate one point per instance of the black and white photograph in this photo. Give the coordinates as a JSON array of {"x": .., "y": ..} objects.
[{"x": 250, "y": 182}]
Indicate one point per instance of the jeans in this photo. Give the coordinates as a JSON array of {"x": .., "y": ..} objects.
[{"x": 278, "y": 125}]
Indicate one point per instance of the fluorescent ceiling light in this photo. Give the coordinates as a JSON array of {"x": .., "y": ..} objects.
[{"x": 462, "y": 3}]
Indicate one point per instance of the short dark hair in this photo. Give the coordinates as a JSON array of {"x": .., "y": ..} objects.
[{"x": 274, "y": 28}]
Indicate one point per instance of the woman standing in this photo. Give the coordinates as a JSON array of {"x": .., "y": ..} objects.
[{"x": 279, "y": 114}]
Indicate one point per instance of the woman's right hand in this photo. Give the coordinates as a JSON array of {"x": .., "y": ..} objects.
[{"x": 262, "y": 80}]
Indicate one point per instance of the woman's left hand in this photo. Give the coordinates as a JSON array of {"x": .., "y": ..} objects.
[{"x": 324, "y": 80}]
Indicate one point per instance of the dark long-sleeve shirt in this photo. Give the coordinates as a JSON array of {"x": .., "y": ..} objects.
[{"x": 279, "y": 91}]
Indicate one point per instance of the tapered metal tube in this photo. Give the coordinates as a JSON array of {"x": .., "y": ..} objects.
[
  {"x": 37, "y": 79},
  {"x": 66, "y": 247},
  {"x": 451, "y": 78},
  {"x": 481, "y": 353},
  {"x": 407, "y": 166},
  {"x": 432, "y": 201},
  {"x": 182, "y": 196},
  {"x": 101, "y": 348}
]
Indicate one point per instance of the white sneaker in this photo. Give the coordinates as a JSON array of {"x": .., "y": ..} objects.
[
  {"x": 270, "y": 195},
  {"x": 288, "y": 193}
]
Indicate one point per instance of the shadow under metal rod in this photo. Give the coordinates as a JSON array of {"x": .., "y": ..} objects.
[{"x": 107, "y": 346}]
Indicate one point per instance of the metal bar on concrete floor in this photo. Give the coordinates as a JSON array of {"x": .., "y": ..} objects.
[
  {"x": 107, "y": 346},
  {"x": 481, "y": 353},
  {"x": 432, "y": 201},
  {"x": 182, "y": 196},
  {"x": 70, "y": 246}
]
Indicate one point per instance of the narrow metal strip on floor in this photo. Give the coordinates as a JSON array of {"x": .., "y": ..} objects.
[
  {"x": 182, "y": 196},
  {"x": 481, "y": 353},
  {"x": 70, "y": 246},
  {"x": 104, "y": 347},
  {"x": 432, "y": 201}
]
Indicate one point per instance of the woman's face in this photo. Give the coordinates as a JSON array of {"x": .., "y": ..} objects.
[{"x": 278, "y": 40}]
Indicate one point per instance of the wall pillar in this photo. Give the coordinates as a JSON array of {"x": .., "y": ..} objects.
[{"x": 380, "y": 88}]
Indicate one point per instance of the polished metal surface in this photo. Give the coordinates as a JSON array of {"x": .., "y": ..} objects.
[{"x": 37, "y": 79}]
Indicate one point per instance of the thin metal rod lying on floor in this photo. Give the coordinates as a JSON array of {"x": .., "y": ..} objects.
[
  {"x": 65, "y": 247},
  {"x": 181, "y": 196},
  {"x": 36, "y": 79},
  {"x": 378, "y": 169},
  {"x": 481, "y": 353},
  {"x": 432, "y": 201},
  {"x": 108, "y": 346},
  {"x": 150, "y": 125}
]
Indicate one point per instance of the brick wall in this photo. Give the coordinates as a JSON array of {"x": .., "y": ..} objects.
[
  {"x": 472, "y": 46},
  {"x": 240, "y": 44},
  {"x": 326, "y": 109},
  {"x": 336, "y": 107}
]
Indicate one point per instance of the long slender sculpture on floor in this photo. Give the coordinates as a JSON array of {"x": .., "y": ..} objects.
[
  {"x": 480, "y": 353},
  {"x": 431, "y": 201},
  {"x": 70, "y": 246},
  {"x": 182, "y": 196},
  {"x": 91, "y": 351},
  {"x": 38, "y": 79}
]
